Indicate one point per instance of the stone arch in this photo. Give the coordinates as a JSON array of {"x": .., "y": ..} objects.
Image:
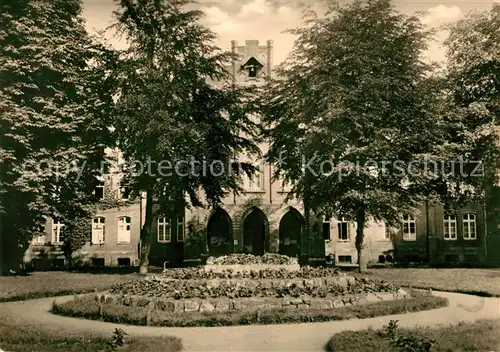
[
  {"x": 220, "y": 233},
  {"x": 291, "y": 229},
  {"x": 255, "y": 232}
]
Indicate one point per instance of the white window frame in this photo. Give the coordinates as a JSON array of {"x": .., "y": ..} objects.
[
  {"x": 341, "y": 221},
  {"x": 409, "y": 220},
  {"x": 386, "y": 234},
  {"x": 469, "y": 223},
  {"x": 180, "y": 229},
  {"x": 57, "y": 227},
  {"x": 101, "y": 222},
  {"x": 449, "y": 224},
  {"x": 164, "y": 224},
  {"x": 126, "y": 224}
]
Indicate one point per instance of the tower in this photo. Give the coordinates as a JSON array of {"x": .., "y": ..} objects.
[{"x": 253, "y": 63}]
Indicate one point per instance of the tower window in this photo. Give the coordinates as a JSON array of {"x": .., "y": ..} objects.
[{"x": 253, "y": 67}]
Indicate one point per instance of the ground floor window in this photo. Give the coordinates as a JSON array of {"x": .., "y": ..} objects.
[
  {"x": 57, "y": 231},
  {"x": 469, "y": 223},
  {"x": 345, "y": 259},
  {"x": 409, "y": 228},
  {"x": 124, "y": 229},
  {"x": 180, "y": 229},
  {"x": 98, "y": 230},
  {"x": 343, "y": 230},
  {"x": 164, "y": 233},
  {"x": 450, "y": 227}
]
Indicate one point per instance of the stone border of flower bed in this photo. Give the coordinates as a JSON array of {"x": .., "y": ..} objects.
[
  {"x": 249, "y": 304},
  {"x": 88, "y": 307}
]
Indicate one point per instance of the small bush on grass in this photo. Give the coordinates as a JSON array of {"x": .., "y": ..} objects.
[
  {"x": 89, "y": 308},
  {"x": 481, "y": 335}
]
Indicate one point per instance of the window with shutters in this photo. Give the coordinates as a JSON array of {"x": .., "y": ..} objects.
[
  {"x": 343, "y": 230},
  {"x": 180, "y": 229},
  {"x": 164, "y": 234},
  {"x": 124, "y": 229},
  {"x": 98, "y": 230}
]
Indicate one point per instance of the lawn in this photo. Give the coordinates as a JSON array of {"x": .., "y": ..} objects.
[
  {"x": 484, "y": 282},
  {"x": 46, "y": 284},
  {"x": 482, "y": 335},
  {"x": 23, "y": 338}
]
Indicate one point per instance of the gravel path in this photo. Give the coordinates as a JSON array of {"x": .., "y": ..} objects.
[{"x": 290, "y": 337}]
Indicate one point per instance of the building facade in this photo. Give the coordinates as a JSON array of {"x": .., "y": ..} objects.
[{"x": 261, "y": 220}]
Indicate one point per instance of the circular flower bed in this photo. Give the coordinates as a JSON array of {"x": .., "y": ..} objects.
[
  {"x": 247, "y": 259},
  {"x": 305, "y": 272},
  {"x": 167, "y": 288}
]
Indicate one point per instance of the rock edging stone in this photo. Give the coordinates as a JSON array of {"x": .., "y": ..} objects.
[{"x": 249, "y": 304}]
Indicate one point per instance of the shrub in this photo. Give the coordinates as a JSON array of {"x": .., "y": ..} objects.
[{"x": 246, "y": 259}]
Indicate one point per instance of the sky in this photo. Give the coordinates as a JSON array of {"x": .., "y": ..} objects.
[{"x": 262, "y": 20}]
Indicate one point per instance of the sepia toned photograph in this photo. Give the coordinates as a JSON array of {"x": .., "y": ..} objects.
[{"x": 249, "y": 175}]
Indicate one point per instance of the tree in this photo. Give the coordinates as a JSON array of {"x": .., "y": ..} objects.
[
  {"x": 472, "y": 107},
  {"x": 351, "y": 118},
  {"x": 171, "y": 117},
  {"x": 53, "y": 117},
  {"x": 473, "y": 92}
]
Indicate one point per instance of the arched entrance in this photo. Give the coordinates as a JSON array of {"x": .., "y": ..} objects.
[
  {"x": 254, "y": 232},
  {"x": 291, "y": 226},
  {"x": 220, "y": 233}
]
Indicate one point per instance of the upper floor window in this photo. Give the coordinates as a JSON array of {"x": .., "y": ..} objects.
[
  {"x": 180, "y": 229},
  {"x": 409, "y": 228},
  {"x": 124, "y": 229},
  {"x": 469, "y": 222},
  {"x": 343, "y": 230},
  {"x": 253, "y": 67},
  {"x": 164, "y": 234},
  {"x": 450, "y": 227},
  {"x": 99, "y": 190},
  {"x": 98, "y": 230},
  {"x": 255, "y": 181},
  {"x": 57, "y": 232}
]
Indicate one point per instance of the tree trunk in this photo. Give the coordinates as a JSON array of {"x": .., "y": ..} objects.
[
  {"x": 307, "y": 228},
  {"x": 146, "y": 235},
  {"x": 360, "y": 222}
]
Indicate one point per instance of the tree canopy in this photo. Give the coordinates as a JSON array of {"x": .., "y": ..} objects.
[
  {"x": 54, "y": 114},
  {"x": 351, "y": 118},
  {"x": 170, "y": 115}
]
